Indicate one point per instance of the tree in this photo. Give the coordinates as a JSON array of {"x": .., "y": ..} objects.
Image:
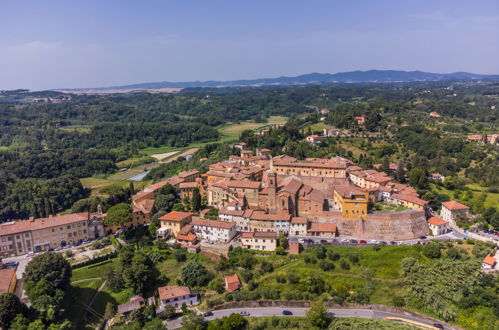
[
  {"x": 193, "y": 321},
  {"x": 418, "y": 178},
  {"x": 194, "y": 273},
  {"x": 109, "y": 311},
  {"x": 385, "y": 166},
  {"x": 139, "y": 273},
  {"x": 10, "y": 307},
  {"x": 283, "y": 241},
  {"x": 231, "y": 322},
  {"x": 154, "y": 324},
  {"x": 400, "y": 174},
  {"x": 51, "y": 267},
  {"x": 196, "y": 200},
  {"x": 118, "y": 215},
  {"x": 20, "y": 322},
  {"x": 432, "y": 250},
  {"x": 318, "y": 316},
  {"x": 169, "y": 311}
]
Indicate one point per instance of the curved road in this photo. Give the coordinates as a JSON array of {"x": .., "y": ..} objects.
[{"x": 277, "y": 311}]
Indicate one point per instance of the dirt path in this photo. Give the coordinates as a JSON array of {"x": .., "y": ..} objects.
[{"x": 176, "y": 156}]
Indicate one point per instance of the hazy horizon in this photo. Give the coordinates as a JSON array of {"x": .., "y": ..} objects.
[{"x": 85, "y": 44}]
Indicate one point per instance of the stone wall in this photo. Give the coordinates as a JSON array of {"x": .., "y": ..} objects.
[{"x": 386, "y": 226}]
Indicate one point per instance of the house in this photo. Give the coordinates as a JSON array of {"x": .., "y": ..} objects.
[
  {"x": 492, "y": 138},
  {"x": 331, "y": 132},
  {"x": 438, "y": 226},
  {"x": 350, "y": 201},
  {"x": 135, "y": 303},
  {"x": 436, "y": 176},
  {"x": 176, "y": 296},
  {"x": 475, "y": 137},
  {"x": 409, "y": 201},
  {"x": 452, "y": 209},
  {"x": 298, "y": 226},
  {"x": 434, "y": 114},
  {"x": 213, "y": 230},
  {"x": 265, "y": 241},
  {"x": 313, "y": 139},
  {"x": 232, "y": 283},
  {"x": 8, "y": 280},
  {"x": 360, "y": 120},
  {"x": 175, "y": 220},
  {"x": 489, "y": 262},
  {"x": 322, "y": 230},
  {"x": 294, "y": 248}
]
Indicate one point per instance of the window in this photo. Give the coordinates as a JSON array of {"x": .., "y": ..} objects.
[
  {"x": 3, "y": 239},
  {"x": 11, "y": 247},
  {"x": 69, "y": 227},
  {"x": 9, "y": 238},
  {"x": 53, "y": 230}
]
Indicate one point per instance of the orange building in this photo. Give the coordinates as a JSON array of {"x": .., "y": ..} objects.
[{"x": 351, "y": 201}]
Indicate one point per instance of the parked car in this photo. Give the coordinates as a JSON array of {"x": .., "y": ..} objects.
[
  {"x": 11, "y": 264},
  {"x": 354, "y": 241},
  {"x": 393, "y": 243},
  {"x": 438, "y": 325},
  {"x": 208, "y": 314},
  {"x": 301, "y": 240},
  {"x": 30, "y": 254},
  {"x": 286, "y": 312},
  {"x": 344, "y": 240},
  {"x": 362, "y": 241},
  {"x": 244, "y": 313},
  {"x": 323, "y": 241}
]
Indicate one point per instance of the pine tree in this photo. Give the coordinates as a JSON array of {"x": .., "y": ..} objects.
[
  {"x": 196, "y": 200},
  {"x": 400, "y": 174}
]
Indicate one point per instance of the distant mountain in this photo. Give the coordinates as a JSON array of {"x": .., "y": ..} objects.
[{"x": 371, "y": 76}]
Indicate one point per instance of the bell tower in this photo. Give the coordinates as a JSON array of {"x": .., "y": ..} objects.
[{"x": 271, "y": 187}]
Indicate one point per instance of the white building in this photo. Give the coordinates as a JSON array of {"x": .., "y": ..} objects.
[
  {"x": 452, "y": 209},
  {"x": 259, "y": 240},
  {"x": 240, "y": 218},
  {"x": 213, "y": 230},
  {"x": 298, "y": 226},
  {"x": 438, "y": 226},
  {"x": 489, "y": 262},
  {"x": 176, "y": 296}
]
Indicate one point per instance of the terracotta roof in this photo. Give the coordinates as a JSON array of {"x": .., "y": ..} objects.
[
  {"x": 187, "y": 173},
  {"x": 185, "y": 229},
  {"x": 243, "y": 184},
  {"x": 294, "y": 248},
  {"x": 453, "y": 206},
  {"x": 301, "y": 220},
  {"x": 196, "y": 221},
  {"x": 322, "y": 227},
  {"x": 14, "y": 227},
  {"x": 260, "y": 215},
  {"x": 410, "y": 199},
  {"x": 175, "y": 180},
  {"x": 190, "y": 237},
  {"x": 232, "y": 282},
  {"x": 489, "y": 260},
  {"x": 349, "y": 191},
  {"x": 265, "y": 150},
  {"x": 176, "y": 216},
  {"x": 259, "y": 234},
  {"x": 145, "y": 206},
  {"x": 436, "y": 221},
  {"x": 185, "y": 185},
  {"x": 168, "y": 292},
  {"x": 6, "y": 276},
  {"x": 231, "y": 212}
]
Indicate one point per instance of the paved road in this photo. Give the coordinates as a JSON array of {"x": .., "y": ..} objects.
[{"x": 277, "y": 311}]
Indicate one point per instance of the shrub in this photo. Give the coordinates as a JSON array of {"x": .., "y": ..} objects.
[
  {"x": 293, "y": 278},
  {"x": 432, "y": 250},
  {"x": 344, "y": 264},
  {"x": 398, "y": 301},
  {"x": 354, "y": 258},
  {"x": 326, "y": 265},
  {"x": 69, "y": 253}
]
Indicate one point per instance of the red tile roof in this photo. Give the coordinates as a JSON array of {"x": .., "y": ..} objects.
[
  {"x": 489, "y": 260},
  {"x": 168, "y": 292},
  {"x": 244, "y": 184},
  {"x": 294, "y": 248},
  {"x": 232, "y": 283},
  {"x": 453, "y": 206},
  {"x": 301, "y": 220},
  {"x": 176, "y": 216},
  {"x": 196, "y": 221},
  {"x": 14, "y": 227},
  {"x": 322, "y": 227},
  {"x": 6, "y": 276},
  {"x": 436, "y": 221},
  {"x": 410, "y": 199}
]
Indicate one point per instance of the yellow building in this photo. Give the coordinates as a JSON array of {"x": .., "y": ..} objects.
[
  {"x": 351, "y": 201},
  {"x": 175, "y": 220}
]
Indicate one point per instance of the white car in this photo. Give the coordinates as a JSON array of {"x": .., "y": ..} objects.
[{"x": 30, "y": 254}]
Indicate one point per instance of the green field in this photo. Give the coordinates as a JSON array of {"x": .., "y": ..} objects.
[
  {"x": 387, "y": 207},
  {"x": 492, "y": 199},
  {"x": 296, "y": 323}
]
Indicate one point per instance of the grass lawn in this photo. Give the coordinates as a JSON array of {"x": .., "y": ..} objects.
[
  {"x": 83, "y": 292},
  {"x": 387, "y": 207},
  {"x": 317, "y": 127},
  {"x": 492, "y": 199},
  {"x": 98, "y": 270}
]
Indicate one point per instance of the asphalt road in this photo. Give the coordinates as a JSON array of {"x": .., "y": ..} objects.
[{"x": 277, "y": 311}]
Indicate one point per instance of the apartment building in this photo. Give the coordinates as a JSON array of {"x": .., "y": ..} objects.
[
  {"x": 264, "y": 241},
  {"x": 298, "y": 226},
  {"x": 213, "y": 230},
  {"x": 37, "y": 235},
  {"x": 176, "y": 296},
  {"x": 452, "y": 210},
  {"x": 174, "y": 221},
  {"x": 351, "y": 201}
]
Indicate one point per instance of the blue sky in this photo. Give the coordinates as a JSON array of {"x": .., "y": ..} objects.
[{"x": 94, "y": 43}]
